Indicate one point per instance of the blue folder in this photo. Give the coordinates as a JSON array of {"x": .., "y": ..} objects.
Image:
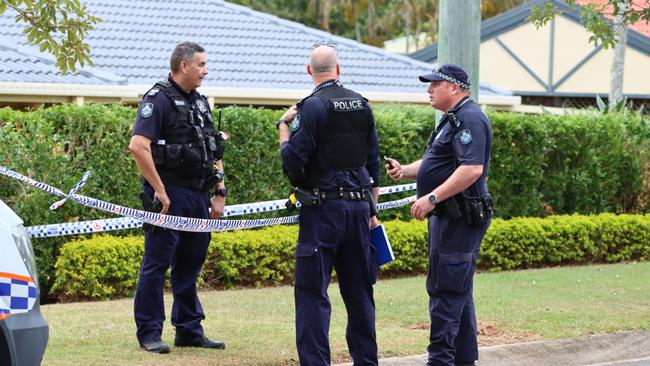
[{"x": 379, "y": 240}]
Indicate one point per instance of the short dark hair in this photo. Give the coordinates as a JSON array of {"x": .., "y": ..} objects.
[{"x": 184, "y": 52}]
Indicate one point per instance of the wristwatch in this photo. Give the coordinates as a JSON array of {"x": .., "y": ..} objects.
[
  {"x": 433, "y": 199},
  {"x": 221, "y": 192},
  {"x": 279, "y": 122}
]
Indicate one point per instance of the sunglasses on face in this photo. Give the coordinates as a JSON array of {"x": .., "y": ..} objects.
[{"x": 326, "y": 44}]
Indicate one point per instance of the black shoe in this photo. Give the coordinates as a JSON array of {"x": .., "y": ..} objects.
[
  {"x": 200, "y": 342},
  {"x": 156, "y": 347},
  {"x": 465, "y": 364}
]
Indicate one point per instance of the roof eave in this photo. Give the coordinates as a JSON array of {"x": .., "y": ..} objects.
[{"x": 45, "y": 92}]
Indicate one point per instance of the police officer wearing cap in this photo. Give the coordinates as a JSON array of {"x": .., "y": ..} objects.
[
  {"x": 329, "y": 151},
  {"x": 178, "y": 153},
  {"x": 452, "y": 192}
]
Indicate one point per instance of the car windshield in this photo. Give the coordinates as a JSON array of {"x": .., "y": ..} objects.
[{"x": 24, "y": 245}]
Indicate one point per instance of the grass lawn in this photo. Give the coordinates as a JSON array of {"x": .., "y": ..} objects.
[{"x": 257, "y": 325}]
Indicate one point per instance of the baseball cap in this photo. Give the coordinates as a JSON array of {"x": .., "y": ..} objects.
[{"x": 449, "y": 72}]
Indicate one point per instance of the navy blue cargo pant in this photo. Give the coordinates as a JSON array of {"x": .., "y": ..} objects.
[
  {"x": 453, "y": 251},
  {"x": 185, "y": 252},
  {"x": 335, "y": 235}
]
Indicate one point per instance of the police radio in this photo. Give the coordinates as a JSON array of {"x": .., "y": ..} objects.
[{"x": 219, "y": 138}]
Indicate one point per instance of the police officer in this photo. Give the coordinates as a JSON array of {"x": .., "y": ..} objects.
[
  {"x": 452, "y": 192},
  {"x": 178, "y": 153},
  {"x": 330, "y": 154}
]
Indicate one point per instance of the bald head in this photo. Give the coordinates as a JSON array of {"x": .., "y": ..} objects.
[{"x": 323, "y": 60}]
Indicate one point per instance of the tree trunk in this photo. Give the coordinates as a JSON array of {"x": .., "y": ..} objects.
[
  {"x": 459, "y": 41},
  {"x": 417, "y": 15},
  {"x": 370, "y": 12},
  {"x": 408, "y": 11},
  {"x": 325, "y": 20},
  {"x": 618, "y": 61}
]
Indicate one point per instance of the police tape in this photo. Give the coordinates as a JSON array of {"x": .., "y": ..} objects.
[
  {"x": 74, "y": 190},
  {"x": 124, "y": 223},
  {"x": 275, "y": 205},
  {"x": 134, "y": 218}
]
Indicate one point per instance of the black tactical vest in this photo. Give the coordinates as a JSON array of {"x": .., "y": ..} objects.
[
  {"x": 343, "y": 142},
  {"x": 190, "y": 145}
]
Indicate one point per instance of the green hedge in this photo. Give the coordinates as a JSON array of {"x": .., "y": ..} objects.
[
  {"x": 100, "y": 268},
  {"x": 105, "y": 267},
  {"x": 541, "y": 164}
]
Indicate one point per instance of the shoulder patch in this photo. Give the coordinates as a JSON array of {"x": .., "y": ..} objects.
[
  {"x": 153, "y": 92},
  {"x": 349, "y": 104},
  {"x": 295, "y": 123},
  {"x": 464, "y": 136},
  {"x": 146, "y": 110}
]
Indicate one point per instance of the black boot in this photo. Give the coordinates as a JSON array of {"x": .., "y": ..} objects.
[{"x": 198, "y": 341}]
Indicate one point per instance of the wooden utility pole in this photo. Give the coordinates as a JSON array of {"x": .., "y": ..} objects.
[{"x": 459, "y": 36}]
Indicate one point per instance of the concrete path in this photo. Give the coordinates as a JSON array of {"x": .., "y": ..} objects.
[{"x": 616, "y": 349}]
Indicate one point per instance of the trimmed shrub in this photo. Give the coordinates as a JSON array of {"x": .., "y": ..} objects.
[
  {"x": 105, "y": 267},
  {"x": 541, "y": 164},
  {"x": 101, "y": 268}
]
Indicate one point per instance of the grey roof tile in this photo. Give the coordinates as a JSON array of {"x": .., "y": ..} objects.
[
  {"x": 245, "y": 48},
  {"x": 22, "y": 66}
]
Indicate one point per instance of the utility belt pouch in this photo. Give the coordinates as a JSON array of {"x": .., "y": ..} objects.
[
  {"x": 192, "y": 156},
  {"x": 307, "y": 198},
  {"x": 200, "y": 142},
  {"x": 371, "y": 200},
  {"x": 158, "y": 154},
  {"x": 452, "y": 208},
  {"x": 212, "y": 143},
  {"x": 173, "y": 155}
]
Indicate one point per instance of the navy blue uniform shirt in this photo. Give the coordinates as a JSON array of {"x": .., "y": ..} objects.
[
  {"x": 470, "y": 143},
  {"x": 163, "y": 113},
  {"x": 296, "y": 152}
]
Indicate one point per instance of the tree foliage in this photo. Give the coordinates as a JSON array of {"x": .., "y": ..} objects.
[
  {"x": 56, "y": 26},
  {"x": 595, "y": 15},
  {"x": 369, "y": 21}
]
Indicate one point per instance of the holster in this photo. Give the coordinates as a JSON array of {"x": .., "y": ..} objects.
[
  {"x": 449, "y": 207},
  {"x": 150, "y": 205},
  {"x": 307, "y": 198},
  {"x": 477, "y": 210}
]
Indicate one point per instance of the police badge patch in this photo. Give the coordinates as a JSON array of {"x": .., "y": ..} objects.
[
  {"x": 201, "y": 105},
  {"x": 465, "y": 136},
  {"x": 295, "y": 123},
  {"x": 146, "y": 110}
]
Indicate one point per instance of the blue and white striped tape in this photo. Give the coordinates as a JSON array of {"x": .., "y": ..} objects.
[{"x": 134, "y": 218}]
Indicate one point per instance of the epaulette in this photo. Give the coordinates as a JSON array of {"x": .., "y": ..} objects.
[
  {"x": 156, "y": 88},
  {"x": 299, "y": 104}
]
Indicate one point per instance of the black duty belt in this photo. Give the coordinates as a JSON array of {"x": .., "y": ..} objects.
[
  {"x": 199, "y": 184},
  {"x": 314, "y": 197},
  {"x": 359, "y": 195}
]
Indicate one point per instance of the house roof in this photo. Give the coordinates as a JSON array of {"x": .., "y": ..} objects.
[
  {"x": 18, "y": 65},
  {"x": 248, "y": 51},
  {"x": 517, "y": 16}
]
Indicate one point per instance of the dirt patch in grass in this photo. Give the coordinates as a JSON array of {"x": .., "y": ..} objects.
[{"x": 490, "y": 334}]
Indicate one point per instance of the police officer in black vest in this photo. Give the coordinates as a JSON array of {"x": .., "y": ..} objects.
[
  {"x": 178, "y": 153},
  {"x": 330, "y": 155},
  {"x": 452, "y": 193}
]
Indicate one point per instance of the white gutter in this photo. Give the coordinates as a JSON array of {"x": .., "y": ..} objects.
[
  {"x": 68, "y": 90},
  {"x": 33, "y": 92}
]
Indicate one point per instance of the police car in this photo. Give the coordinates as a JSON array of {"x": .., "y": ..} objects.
[{"x": 23, "y": 330}]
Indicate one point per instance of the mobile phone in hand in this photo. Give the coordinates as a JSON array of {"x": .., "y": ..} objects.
[{"x": 389, "y": 161}]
